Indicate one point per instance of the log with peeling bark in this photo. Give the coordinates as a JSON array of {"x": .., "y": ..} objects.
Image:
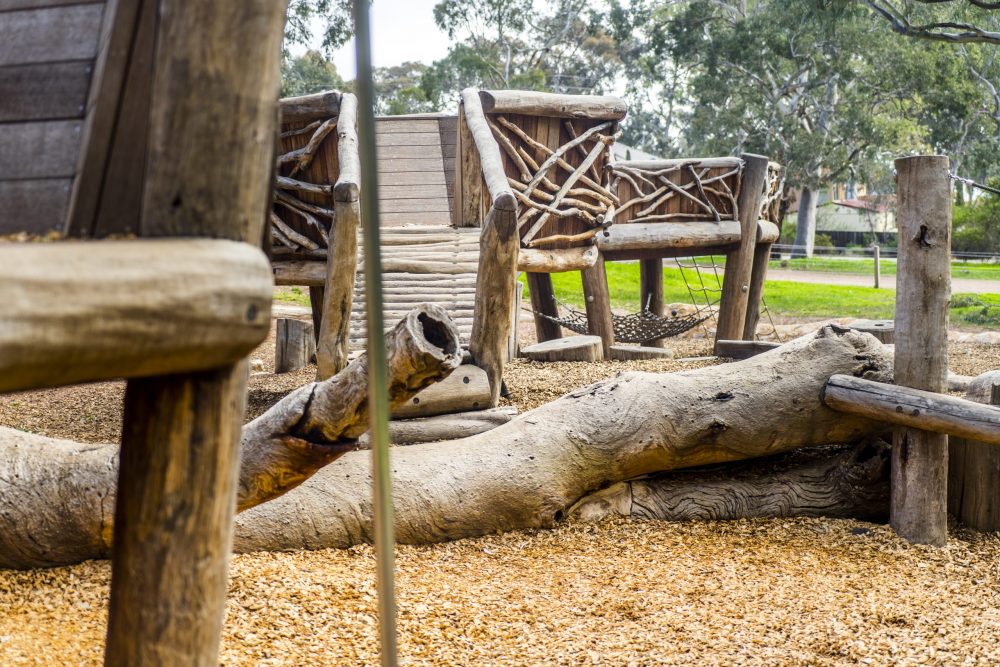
[
  {"x": 58, "y": 498},
  {"x": 529, "y": 472}
]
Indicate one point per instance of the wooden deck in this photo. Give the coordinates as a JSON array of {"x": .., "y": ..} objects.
[{"x": 416, "y": 165}]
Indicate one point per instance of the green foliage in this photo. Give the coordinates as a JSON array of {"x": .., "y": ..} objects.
[
  {"x": 824, "y": 241},
  {"x": 308, "y": 73},
  {"x": 333, "y": 15},
  {"x": 976, "y": 227}
]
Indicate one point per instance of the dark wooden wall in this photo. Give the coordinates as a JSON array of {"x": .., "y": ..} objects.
[{"x": 47, "y": 54}]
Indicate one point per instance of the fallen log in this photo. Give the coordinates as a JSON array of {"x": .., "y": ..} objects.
[
  {"x": 529, "y": 472},
  {"x": 58, "y": 497}
]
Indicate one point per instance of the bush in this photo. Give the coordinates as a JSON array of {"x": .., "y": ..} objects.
[{"x": 976, "y": 227}]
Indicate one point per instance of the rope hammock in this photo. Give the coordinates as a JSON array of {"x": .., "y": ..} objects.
[{"x": 635, "y": 327}]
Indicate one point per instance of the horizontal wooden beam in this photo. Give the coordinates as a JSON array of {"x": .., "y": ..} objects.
[
  {"x": 466, "y": 389},
  {"x": 534, "y": 103},
  {"x": 665, "y": 235},
  {"x": 767, "y": 231},
  {"x": 657, "y": 165},
  {"x": 556, "y": 260},
  {"x": 307, "y": 108},
  {"x": 915, "y": 408},
  {"x": 77, "y": 311}
]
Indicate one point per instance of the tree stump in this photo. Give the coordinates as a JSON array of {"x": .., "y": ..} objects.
[
  {"x": 295, "y": 345},
  {"x": 884, "y": 330}
]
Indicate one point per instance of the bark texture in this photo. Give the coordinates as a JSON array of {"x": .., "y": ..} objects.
[{"x": 529, "y": 472}]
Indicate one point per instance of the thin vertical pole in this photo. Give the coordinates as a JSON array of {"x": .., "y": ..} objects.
[
  {"x": 876, "y": 252},
  {"x": 378, "y": 393}
]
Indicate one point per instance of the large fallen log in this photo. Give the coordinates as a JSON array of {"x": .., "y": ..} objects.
[
  {"x": 529, "y": 472},
  {"x": 57, "y": 497}
]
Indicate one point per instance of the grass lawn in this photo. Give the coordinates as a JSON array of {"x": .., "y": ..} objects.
[
  {"x": 887, "y": 267},
  {"x": 787, "y": 299}
]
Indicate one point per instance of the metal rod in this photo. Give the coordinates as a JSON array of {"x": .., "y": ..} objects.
[{"x": 378, "y": 394}]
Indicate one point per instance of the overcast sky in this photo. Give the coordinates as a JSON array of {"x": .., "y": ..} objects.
[{"x": 402, "y": 30}]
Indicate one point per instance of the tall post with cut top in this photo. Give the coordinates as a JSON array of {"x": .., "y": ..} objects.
[
  {"x": 918, "y": 510},
  {"x": 210, "y": 157}
]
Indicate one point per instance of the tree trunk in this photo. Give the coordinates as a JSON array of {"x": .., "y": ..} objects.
[
  {"x": 530, "y": 471},
  {"x": 805, "y": 229},
  {"x": 526, "y": 473}
]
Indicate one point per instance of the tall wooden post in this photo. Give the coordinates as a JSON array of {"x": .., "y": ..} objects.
[
  {"x": 974, "y": 474},
  {"x": 543, "y": 300},
  {"x": 598, "y": 300},
  {"x": 919, "y": 504},
  {"x": 758, "y": 276},
  {"x": 213, "y": 117},
  {"x": 739, "y": 262},
  {"x": 651, "y": 292}
]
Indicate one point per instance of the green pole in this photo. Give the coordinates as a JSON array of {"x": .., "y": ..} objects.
[{"x": 378, "y": 375}]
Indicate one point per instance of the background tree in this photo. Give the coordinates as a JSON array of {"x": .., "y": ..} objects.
[{"x": 308, "y": 73}]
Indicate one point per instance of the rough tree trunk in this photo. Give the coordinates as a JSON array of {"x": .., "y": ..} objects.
[
  {"x": 529, "y": 472},
  {"x": 805, "y": 229},
  {"x": 526, "y": 473}
]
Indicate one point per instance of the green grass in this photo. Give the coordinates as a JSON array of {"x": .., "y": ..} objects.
[
  {"x": 887, "y": 267},
  {"x": 789, "y": 299},
  {"x": 293, "y": 295}
]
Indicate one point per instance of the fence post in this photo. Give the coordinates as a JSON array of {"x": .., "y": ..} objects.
[
  {"x": 919, "y": 496},
  {"x": 875, "y": 249}
]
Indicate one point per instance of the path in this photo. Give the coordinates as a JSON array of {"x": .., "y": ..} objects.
[{"x": 958, "y": 285}]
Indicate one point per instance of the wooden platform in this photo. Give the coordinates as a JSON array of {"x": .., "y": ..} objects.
[
  {"x": 416, "y": 165},
  {"x": 422, "y": 264},
  {"x": 571, "y": 348}
]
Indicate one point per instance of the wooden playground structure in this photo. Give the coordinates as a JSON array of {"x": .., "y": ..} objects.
[{"x": 131, "y": 127}]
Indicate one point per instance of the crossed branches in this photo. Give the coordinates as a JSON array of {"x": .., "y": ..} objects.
[
  {"x": 656, "y": 187},
  {"x": 944, "y": 31}
]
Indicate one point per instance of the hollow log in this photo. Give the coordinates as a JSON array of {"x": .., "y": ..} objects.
[{"x": 59, "y": 496}]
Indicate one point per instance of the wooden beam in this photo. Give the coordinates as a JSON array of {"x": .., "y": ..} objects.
[
  {"x": 348, "y": 185},
  {"x": 557, "y": 260},
  {"x": 466, "y": 389},
  {"x": 489, "y": 152},
  {"x": 914, "y": 408},
  {"x": 651, "y": 292},
  {"x": 499, "y": 244},
  {"x": 598, "y": 304},
  {"x": 311, "y": 273},
  {"x": 78, "y": 312},
  {"x": 668, "y": 235},
  {"x": 739, "y": 262},
  {"x": 338, "y": 273},
  {"x": 974, "y": 469},
  {"x": 212, "y": 125},
  {"x": 534, "y": 103},
  {"x": 919, "y": 505},
  {"x": 306, "y": 108}
]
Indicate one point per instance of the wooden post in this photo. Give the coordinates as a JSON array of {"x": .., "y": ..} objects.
[
  {"x": 515, "y": 316},
  {"x": 875, "y": 255},
  {"x": 739, "y": 262},
  {"x": 758, "y": 276},
  {"x": 974, "y": 477},
  {"x": 316, "y": 302},
  {"x": 469, "y": 179},
  {"x": 651, "y": 292},
  {"x": 543, "y": 300},
  {"x": 341, "y": 259},
  {"x": 499, "y": 244},
  {"x": 595, "y": 294},
  {"x": 918, "y": 509},
  {"x": 295, "y": 345},
  {"x": 213, "y": 118}
]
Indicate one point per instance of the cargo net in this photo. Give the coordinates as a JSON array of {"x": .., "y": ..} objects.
[{"x": 632, "y": 328}]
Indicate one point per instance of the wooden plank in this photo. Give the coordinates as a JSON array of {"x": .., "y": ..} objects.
[
  {"x": 395, "y": 166},
  {"x": 659, "y": 236},
  {"x": 44, "y": 149},
  {"x": 11, "y": 5},
  {"x": 408, "y": 139},
  {"x": 46, "y": 91},
  {"x": 400, "y": 219},
  {"x": 115, "y": 48},
  {"x": 536, "y": 103},
  {"x": 50, "y": 34},
  {"x": 389, "y": 192},
  {"x": 434, "y": 177},
  {"x": 573, "y": 348},
  {"x": 388, "y": 125},
  {"x": 918, "y": 508},
  {"x": 409, "y": 152},
  {"x": 439, "y": 204},
  {"x": 33, "y": 206},
  {"x": 77, "y": 312}
]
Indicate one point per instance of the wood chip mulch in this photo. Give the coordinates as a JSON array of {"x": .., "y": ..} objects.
[{"x": 623, "y": 592}]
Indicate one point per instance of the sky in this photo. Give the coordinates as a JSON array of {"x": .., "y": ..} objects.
[{"x": 402, "y": 30}]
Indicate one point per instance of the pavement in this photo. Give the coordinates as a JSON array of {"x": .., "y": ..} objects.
[{"x": 958, "y": 285}]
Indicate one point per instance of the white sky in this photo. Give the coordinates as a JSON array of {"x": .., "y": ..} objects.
[{"x": 402, "y": 30}]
